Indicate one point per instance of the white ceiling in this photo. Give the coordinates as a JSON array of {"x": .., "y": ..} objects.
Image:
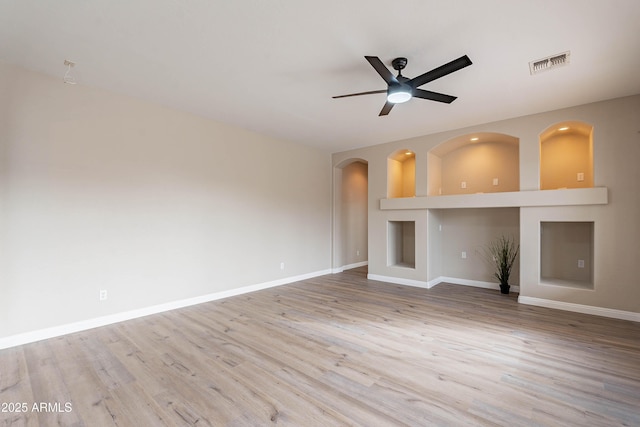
[{"x": 272, "y": 65}]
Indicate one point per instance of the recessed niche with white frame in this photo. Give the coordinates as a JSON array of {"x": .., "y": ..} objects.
[
  {"x": 566, "y": 156},
  {"x": 401, "y": 244},
  {"x": 484, "y": 162},
  {"x": 566, "y": 253},
  {"x": 401, "y": 174}
]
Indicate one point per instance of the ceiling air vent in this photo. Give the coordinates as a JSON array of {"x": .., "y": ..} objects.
[{"x": 549, "y": 63}]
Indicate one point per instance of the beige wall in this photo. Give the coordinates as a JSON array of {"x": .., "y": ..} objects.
[
  {"x": 102, "y": 191},
  {"x": 401, "y": 243},
  {"x": 409, "y": 177},
  {"x": 394, "y": 178},
  {"x": 401, "y": 175},
  {"x": 562, "y": 157},
  {"x": 434, "y": 175},
  {"x": 477, "y": 165},
  {"x": 470, "y": 231},
  {"x": 562, "y": 246},
  {"x": 616, "y": 150}
]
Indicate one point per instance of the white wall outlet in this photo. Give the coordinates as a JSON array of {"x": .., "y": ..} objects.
[
  {"x": 357, "y": 252},
  {"x": 103, "y": 294},
  {"x": 282, "y": 266},
  {"x": 463, "y": 184},
  {"x": 439, "y": 227},
  {"x": 580, "y": 263},
  {"x": 580, "y": 176},
  {"x": 463, "y": 255},
  {"x": 495, "y": 181}
]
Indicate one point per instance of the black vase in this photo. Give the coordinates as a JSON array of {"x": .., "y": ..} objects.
[{"x": 504, "y": 289}]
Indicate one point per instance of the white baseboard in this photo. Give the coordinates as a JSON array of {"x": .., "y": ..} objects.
[
  {"x": 432, "y": 283},
  {"x": 349, "y": 267},
  {"x": 579, "y": 308},
  {"x": 398, "y": 281},
  {"x": 468, "y": 282},
  {"x": 83, "y": 325},
  {"x": 355, "y": 265},
  {"x": 442, "y": 279}
]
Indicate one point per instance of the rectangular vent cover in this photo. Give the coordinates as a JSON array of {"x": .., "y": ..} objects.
[{"x": 544, "y": 64}]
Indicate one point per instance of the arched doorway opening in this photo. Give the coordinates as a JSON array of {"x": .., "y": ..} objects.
[{"x": 351, "y": 211}]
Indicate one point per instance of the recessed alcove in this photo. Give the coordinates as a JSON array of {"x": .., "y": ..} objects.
[
  {"x": 401, "y": 174},
  {"x": 566, "y": 253},
  {"x": 483, "y": 162},
  {"x": 566, "y": 156},
  {"x": 401, "y": 244},
  {"x": 459, "y": 239}
]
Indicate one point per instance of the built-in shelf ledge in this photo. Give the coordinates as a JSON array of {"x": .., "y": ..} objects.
[
  {"x": 552, "y": 281},
  {"x": 404, "y": 265},
  {"x": 563, "y": 197}
]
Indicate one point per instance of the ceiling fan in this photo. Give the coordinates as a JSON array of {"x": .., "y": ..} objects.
[{"x": 401, "y": 89}]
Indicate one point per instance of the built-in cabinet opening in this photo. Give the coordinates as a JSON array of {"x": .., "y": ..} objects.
[
  {"x": 459, "y": 241},
  {"x": 566, "y": 254},
  {"x": 566, "y": 156},
  {"x": 401, "y": 243},
  {"x": 474, "y": 163},
  {"x": 401, "y": 174}
]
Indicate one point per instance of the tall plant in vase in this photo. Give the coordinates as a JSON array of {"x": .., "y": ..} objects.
[{"x": 502, "y": 253}]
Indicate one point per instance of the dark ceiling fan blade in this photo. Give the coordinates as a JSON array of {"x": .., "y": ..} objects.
[
  {"x": 441, "y": 71},
  {"x": 386, "y": 109},
  {"x": 371, "y": 92},
  {"x": 433, "y": 96},
  {"x": 382, "y": 70}
]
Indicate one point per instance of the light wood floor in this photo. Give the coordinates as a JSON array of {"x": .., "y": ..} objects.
[{"x": 337, "y": 350}]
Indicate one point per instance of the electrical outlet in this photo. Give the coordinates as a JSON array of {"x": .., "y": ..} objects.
[
  {"x": 357, "y": 252},
  {"x": 495, "y": 181},
  {"x": 580, "y": 176},
  {"x": 463, "y": 184},
  {"x": 464, "y": 255},
  {"x": 580, "y": 263},
  {"x": 439, "y": 227},
  {"x": 103, "y": 294},
  {"x": 282, "y": 266}
]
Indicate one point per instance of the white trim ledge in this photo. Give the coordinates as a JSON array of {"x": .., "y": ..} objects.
[
  {"x": 441, "y": 279},
  {"x": 579, "y": 308},
  {"x": 83, "y": 325},
  {"x": 468, "y": 282},
  {"x": 399, "y": 281},
  {"x": 563, "y": 197},
  {"x": 349, "y": 267}
]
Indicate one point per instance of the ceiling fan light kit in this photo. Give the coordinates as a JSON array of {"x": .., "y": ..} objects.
[
  {"x": 398, "y": 94},
  {"x": 401, "y": 89}
]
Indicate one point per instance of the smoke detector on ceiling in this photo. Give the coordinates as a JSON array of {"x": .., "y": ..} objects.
[{"x": 550, "y": 62}]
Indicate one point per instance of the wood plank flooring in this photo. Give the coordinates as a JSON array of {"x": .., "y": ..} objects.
[{"x": 336, "y": 350}]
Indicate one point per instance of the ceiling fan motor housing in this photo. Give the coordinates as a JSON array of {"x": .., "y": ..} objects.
[{"x": 399, "y": 63}]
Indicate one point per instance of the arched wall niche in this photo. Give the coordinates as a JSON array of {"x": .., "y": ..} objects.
[
  {"x": 351, "y": 188},
  {"x": 401, "y": 174},
  {"x": 566, "y": 156},
  {"x": 484, "y": 162},
  {"x": 347, "y": 162}
]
